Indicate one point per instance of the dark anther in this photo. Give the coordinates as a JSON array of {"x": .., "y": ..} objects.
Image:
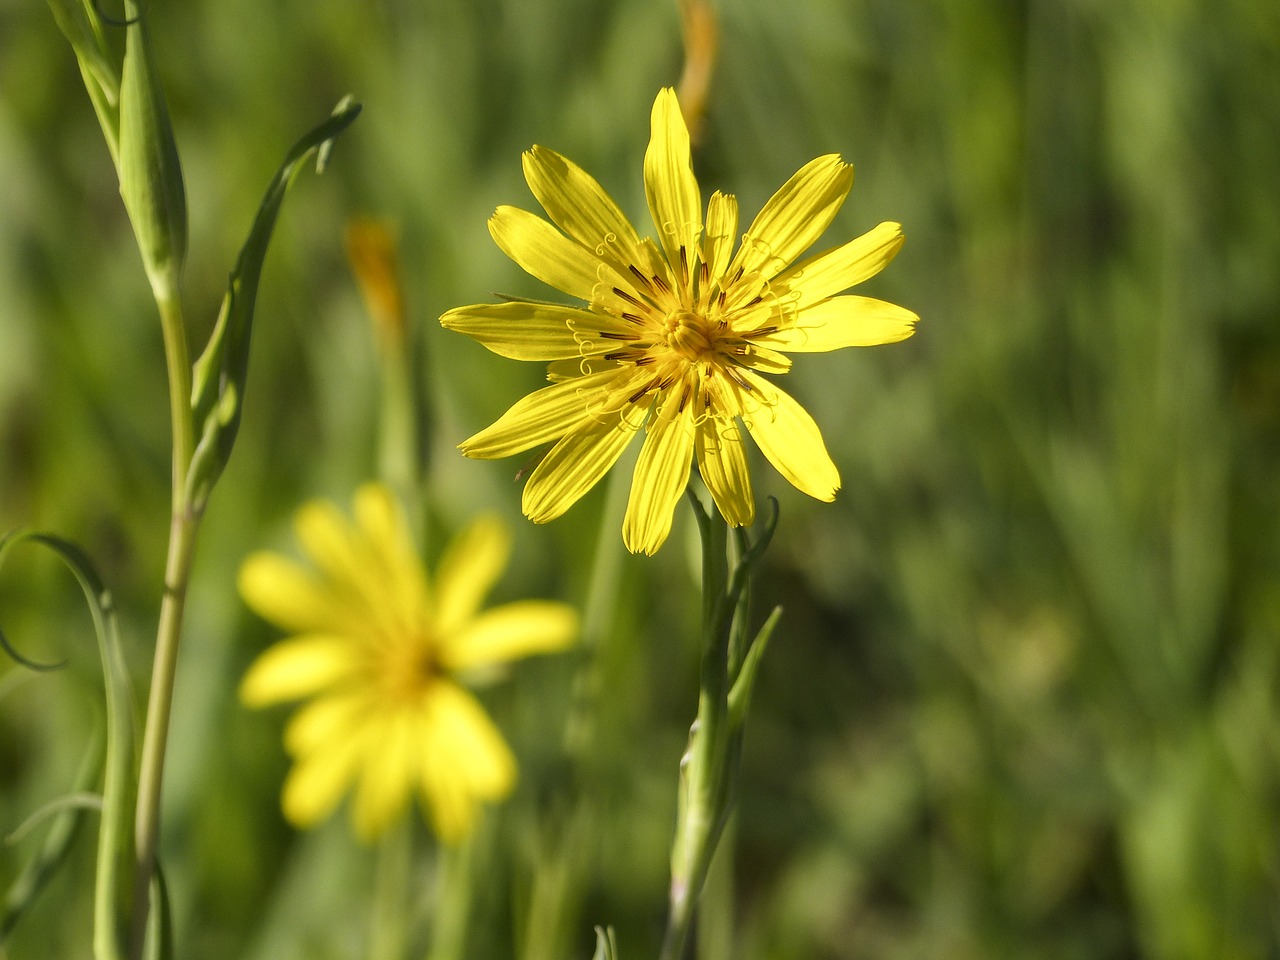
[{"x": 628, "y": 297}]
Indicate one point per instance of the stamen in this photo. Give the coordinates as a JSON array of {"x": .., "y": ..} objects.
[
  {"x": 628, "y": 297},
  {"x": 640, "y": 393},
  {"x": 610, "y": 335},
  {"x": 639, "y": 276},
  {"x": 632, "y": 317}
]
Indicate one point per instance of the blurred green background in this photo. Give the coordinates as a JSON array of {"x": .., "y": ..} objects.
[{"x": 1023, "y": 702}]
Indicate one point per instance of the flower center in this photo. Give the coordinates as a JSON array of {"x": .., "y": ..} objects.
[
  {"x": 689, "y": 335},
  {"x": 407, "y": 670}
]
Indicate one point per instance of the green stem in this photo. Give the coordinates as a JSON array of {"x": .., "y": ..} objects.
[
  {"x": 454, "y": 900},
  {"x": 183, "y": 527},
  {"x": 704, "y": 777},
  {"x": 387, "y": 933},
  {"x": 399, "y": 456}
]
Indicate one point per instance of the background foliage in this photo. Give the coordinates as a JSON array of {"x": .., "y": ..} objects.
[{"x": 1024, "y": 699}]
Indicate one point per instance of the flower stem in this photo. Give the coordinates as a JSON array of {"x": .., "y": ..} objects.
[
  {"x": 388, "y": 931},
  {"x": 183, "y": 527},
  {"x": 705, "y": 768}
]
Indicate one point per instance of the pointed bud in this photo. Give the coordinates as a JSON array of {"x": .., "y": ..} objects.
[{"x": 150, "y": 173}]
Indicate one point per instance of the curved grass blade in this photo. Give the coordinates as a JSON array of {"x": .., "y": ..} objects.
[
  {"x": 80, "y": 24},
  {"x": 114, "y": 887},
  {"x": 67, "y": 813},
  {"x": 219, "y": 375}
]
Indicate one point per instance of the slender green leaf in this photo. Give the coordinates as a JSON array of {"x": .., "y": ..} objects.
[
  {"x": 740, "y": 692},
  {"x": 66, "y": 814},
  {"x": 219, "y": 375},
  {"x": 606, "y": 944},
  {"x": 160, "y": 921},
  {"x": 114, "y": 889}
]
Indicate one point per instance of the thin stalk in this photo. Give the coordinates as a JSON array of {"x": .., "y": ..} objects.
[
  {"x": 703, "y": 787},
  {"x": 455, "y": 899},
  {"x": 399, "y": 456},
  {"x": 387, "y": 934},
  {"x": 183, "y": 527}
]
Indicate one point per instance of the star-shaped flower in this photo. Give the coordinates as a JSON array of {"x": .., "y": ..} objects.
[{"x": 676, "y": 336}]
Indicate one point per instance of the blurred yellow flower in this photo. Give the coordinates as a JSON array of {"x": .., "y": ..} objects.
[
  {"x": 675, "y": 334},
  {"x": 376, "y": 650}
]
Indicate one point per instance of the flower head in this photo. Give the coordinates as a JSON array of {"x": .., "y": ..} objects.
[
  {"x": 676, "y": 335},
  {"x": 376, "y": 651}
]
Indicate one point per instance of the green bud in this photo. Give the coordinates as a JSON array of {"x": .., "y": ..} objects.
[{"x": 150, "y": 173}]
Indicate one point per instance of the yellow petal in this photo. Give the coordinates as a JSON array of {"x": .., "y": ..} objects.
[
  {"x": 829, "y": 273},
  {"x": 532, "y": 331},
  {"x": 477, "y": 754},
  {"x": 281, "y": 591},
  {"x": 669, "y": 184},
  {"x": 546, "y": 253},
  {"x": 661, "y": 473},
  {"x": 325, "y": 719},
  {"x": 795, "y": 216},
  {"x": 463, "y": 760},
  {"x": 579, "y": 206},
  {"x": 722, "y": 463},
  {"x": 470, "y": 567},
  {"x": 574, "y": 465},
  {"x": 392, "y": 555},
  {"x": 561, "y": 370},
  {"x": 789, "y": 438},
  {"x": 387, "y": 774},
  {"x": 541, "y": 416},
  {"x": 510, "y": 632},
  {"x": 451, "y": 808},
  {"x": 317, "y": 781},
  {"x": 721, "y": 233},
  {"x": 331, "y": 540},
  {"x": 848, "y": 321},
  {"x": 297, "y": 668}
]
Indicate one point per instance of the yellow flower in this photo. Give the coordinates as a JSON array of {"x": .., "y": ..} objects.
[
  {"x": 377, "y": 650},
  {"x": 675, "y": 334}
]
